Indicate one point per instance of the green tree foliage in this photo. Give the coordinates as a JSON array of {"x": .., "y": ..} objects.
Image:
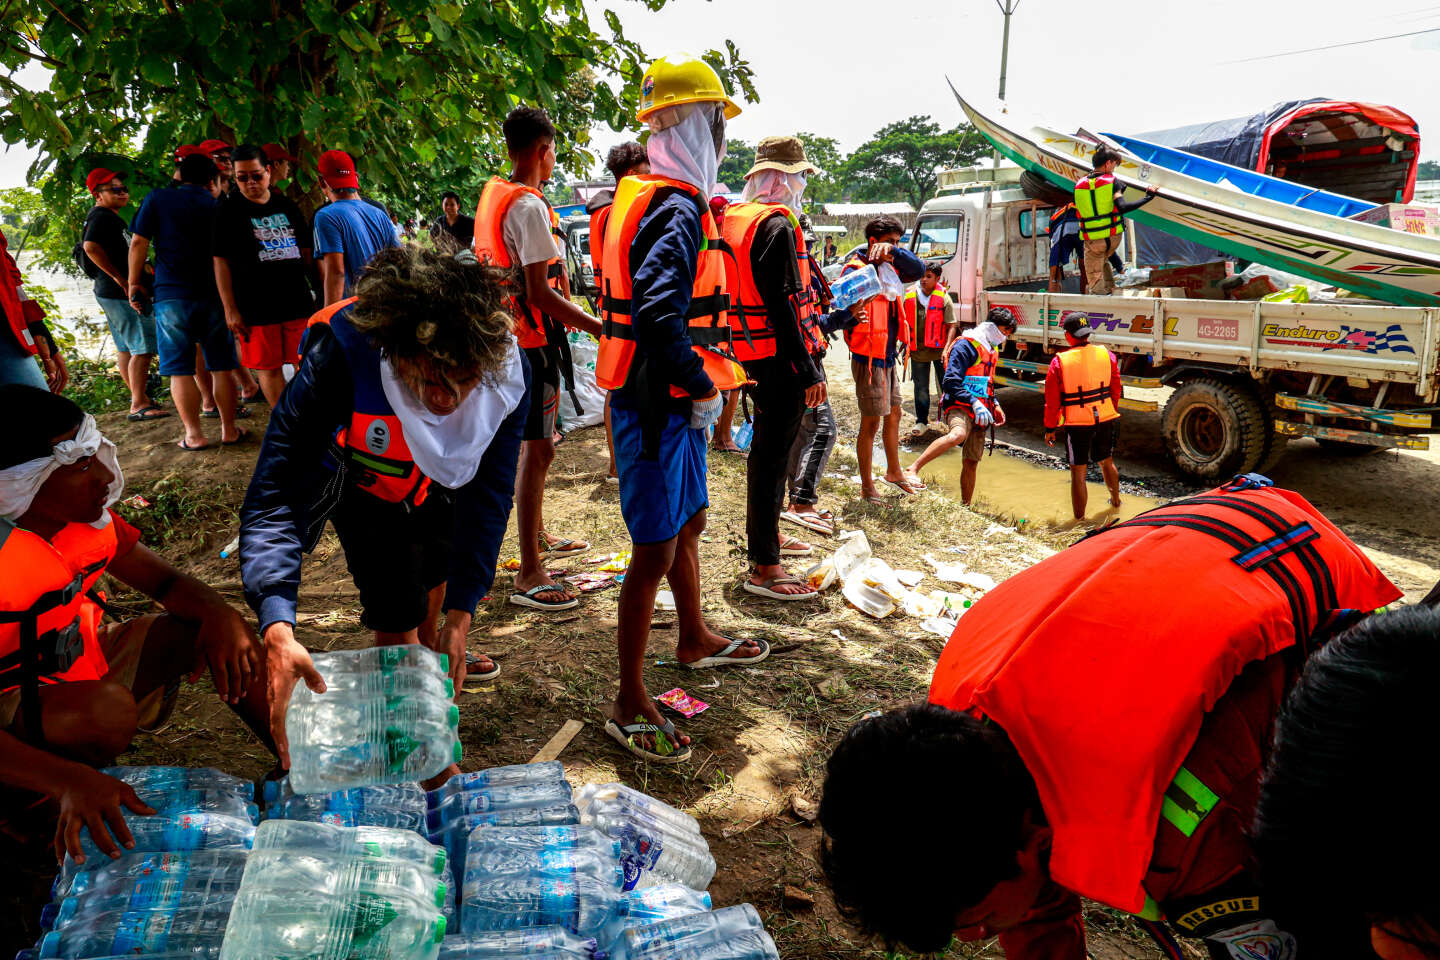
[
  {"x": 739, "y": 158},
  {"x": 900, "y": 160},
  {"x": 828, "y": 185},
  {"x": 1428, "y": 170},
  {"x": 414, "y": 90}
]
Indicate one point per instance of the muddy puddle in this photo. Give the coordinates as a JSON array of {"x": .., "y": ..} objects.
[{"x": 1017, "y": 489}]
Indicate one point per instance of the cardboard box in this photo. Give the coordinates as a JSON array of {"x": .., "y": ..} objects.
[
  {"x": 1253, "y": 289},
  {"x": 1201, "y": 281},
  {"x": 1407, "y": 217}
]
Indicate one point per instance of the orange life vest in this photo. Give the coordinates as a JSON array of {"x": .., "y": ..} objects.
[
  {"x": 706, "y": 320},
  {"x": 928, "y": 334},
  {"x": 378, "y": 460},
  {"x": 18, "y": 313},
  {"x": 1085, "y": 386},
  {"x": 532, "y": 327},
  {"x": 980, "y": 375},
  {"x": 1101, "y": 662},
  {"x": 870, "y": 338},
  {"x": 49, "y": 627},
  {"x": 751, "y": 335},
  {"x": 598, "y": 219}
]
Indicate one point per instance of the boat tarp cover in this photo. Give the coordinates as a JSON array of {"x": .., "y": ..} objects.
[{"x": 1251, "y": 142}]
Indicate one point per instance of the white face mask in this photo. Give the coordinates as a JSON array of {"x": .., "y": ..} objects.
[
  {"x": 776, "y": 186},
  {"x": 684, "y": 146},
  {"x": 987, "y": 333},
  {"x": 20, "y": 484}
]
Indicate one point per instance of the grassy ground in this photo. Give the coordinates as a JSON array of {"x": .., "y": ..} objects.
[{"x": 759, "y": 751}]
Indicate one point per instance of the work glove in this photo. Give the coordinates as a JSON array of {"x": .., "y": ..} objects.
[
  {"x": 982, "y": 413},
  {"x": 704, "y": 413}
]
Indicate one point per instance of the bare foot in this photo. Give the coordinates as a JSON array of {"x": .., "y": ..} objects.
[
  {"x": 1115, "y": 502},
  {"x": 624, "y": 714},
  {"x": 759, "y": 575},
  {"x": 688, "y": 649},
  {"x": 529, "y": 581}
]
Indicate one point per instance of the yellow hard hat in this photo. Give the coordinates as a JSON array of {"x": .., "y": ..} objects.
[{"x": 671, "y": 81}]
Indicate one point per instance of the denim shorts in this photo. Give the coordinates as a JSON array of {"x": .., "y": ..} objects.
[
  {"x": 182, "y": 325},
  {"x": 18, "y": 365},
  {"x": 131, "y": 332}
]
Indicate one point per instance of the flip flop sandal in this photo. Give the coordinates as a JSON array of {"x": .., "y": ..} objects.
[
  {"x": 666, "y": 739},
  {"x": 151, "y": 412},
  {"x": 915, "y": 483},
  {"x": 810, "y": 521},
  {"x": 563, "y": 547},
  {"x": 250, "y": 397},
  {"x": 473, "y": 677},
  {"x": 723, "y": 658},
  {"x": 904, "y": 487},
  {"x": 786, "y": 550},
  {"x": 767, "y": 589},
  {"x": 878, "y": 500},
  {"x": 530, "y": 598},
  {"x": 189, "y": 449},
  {"x": 241, "y": 436}
]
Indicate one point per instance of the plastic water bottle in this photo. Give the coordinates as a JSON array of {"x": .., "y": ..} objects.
[
  {"x": 138, "y": 931},
  {"x": 510, "y": 776},
  {"x": 381, "y": 658},
  {"x": 854, "y": 286},
  {"x": 350, "y": 843},
  {"x": 303, "y": 872},
  {"x": 582, "y": 904},
  {"x": 113, "y": 876},
  {"x": 454, "y": 834},
  {"x": 450, "y": 909},
  {"x": 175, "y": 801},
  {"x": 486, "y": 863},
  {"x": 665, "y": 938},
  {"x": 383, "y": 681},
  {"x": 618, "y": 796},
  {"x": 166, "y": 885},
  {"x": 664, "y": 901},
  {"x": 491, "y": 799},
  {"x": 269, "y": 923},
  {"x": 653, "y": 851},
  {"x": 182, "y": 778},
  {"x": 530, "y": 942},
  {"x": 400, "y": 806},
  {"x": 187, "y": 831},
  {"x": 410, "y": 796},
  {"x": 750, "y": 945},
  {"x": 340, "y": 742}
]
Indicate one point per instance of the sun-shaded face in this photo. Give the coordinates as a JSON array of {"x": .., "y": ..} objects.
[
  {"x": 73, "y": 493},
  {"x": 1008, "y": 903},
  {"x": 439, "y": 391}
]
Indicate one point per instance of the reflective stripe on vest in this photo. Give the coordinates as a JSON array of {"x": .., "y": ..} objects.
[
  {"x": 751, "y": 335},
  {"x": 1085, "y": 386},
  {"x": 980, "y": 376},
  {"x": 929, "y": 334},
  {"x": 707, "y": 320},
  {"x": 1095, "y": 205},
  {"x": 1187, "y": 802},
  {"x": 870, "y": 338},
  {"x": 373, "y": 442},
  {"x": 532, "y": 327}
]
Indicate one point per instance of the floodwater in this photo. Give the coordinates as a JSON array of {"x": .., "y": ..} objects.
[
  {"x": 75, "y": 299},
  {"x": 1017, "y": 489}
]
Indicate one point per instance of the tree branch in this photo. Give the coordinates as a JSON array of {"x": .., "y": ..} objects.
[{"x": 38, "y": 57}]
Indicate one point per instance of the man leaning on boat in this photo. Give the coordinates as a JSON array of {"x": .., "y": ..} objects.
[{"x": 1102, "y": 210}]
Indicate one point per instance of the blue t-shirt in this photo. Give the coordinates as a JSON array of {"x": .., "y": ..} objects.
[
  {"x": 177, "y": 222},
  {"x": 355, "y": 229}
]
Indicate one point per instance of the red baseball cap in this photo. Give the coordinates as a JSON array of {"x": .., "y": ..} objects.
[
  {"x": 97, "y": 178},
  {"x": 274, "y": 153},
  {"x": 185, "y": 150},
  {"x": 212, "y": 147},
  {"x": 338, "y": 170}
]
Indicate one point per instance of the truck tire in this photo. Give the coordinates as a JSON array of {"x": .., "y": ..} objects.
[
  {"x": 1215, "y": 429},
  {"x": 1037, "y": 187}
]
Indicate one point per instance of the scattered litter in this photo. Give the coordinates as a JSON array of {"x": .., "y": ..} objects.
[
  {"x": 867, "y": 599},
  {"x": 920, "y": 606},
  {"x": 136, "y": 501},
  {"x": 848, "y": 534},
  {"x": 511, "y": 564},
  {"x": 938, "y": 626},
  {"x": 619, "y": 578},
  {"x": 952, "y": 605},
  {"x": 682, "y": 703},
  {"x": 911, "y": 578},
  {"x": 604, "y": 557},
  {"x": 822, "y": 574},
  {"x": 944, "y": 571},
  {"x": 587, "y": 582},
  {"x": 231, "y": 548},
  {"x": 995, "y": 528},
  {"x": 839, "y": 636},
  {"x": 877, "y": 573},
  {"x": 711, "y": 685},
  {"x": 851, "y": 556},
  {"x": 965, "y": 549},
  {"x": 664, "y": 600},
  {"x": 855, "y": 478},
  {"x": 980, "y": 581},
  {"x": 618, "y": 563}
]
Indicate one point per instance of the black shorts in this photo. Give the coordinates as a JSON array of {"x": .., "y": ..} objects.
[
  {"x": 395, "y": 556},
  {"x": 544, "y": 392},
  {"x": 1086, "y": 445}
]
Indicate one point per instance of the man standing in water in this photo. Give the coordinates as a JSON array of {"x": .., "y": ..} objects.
[{"x": 1082, "y": 393}]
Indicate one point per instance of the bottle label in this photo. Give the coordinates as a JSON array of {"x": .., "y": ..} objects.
[
  {"x": 559, "y": 904},
  {"x": 141, "y": 932},
  {"x": 638, "y": 852},
  {"x": 159, "y": 891},
  {"x": 372, "y": 915},
  {"x": 398, "y": 746}
]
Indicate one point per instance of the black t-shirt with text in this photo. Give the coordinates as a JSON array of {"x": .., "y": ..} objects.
[
  {"x": 262, "y": 243},
  {"x": 107, "y": 228}
]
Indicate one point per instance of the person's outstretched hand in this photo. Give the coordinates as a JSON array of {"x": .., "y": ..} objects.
[
  {"x": 286, "y": 661},
  {"x": 92, "y": 800}
]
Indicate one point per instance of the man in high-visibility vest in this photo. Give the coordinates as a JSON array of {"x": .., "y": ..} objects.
[
  {"x": 1101, "y": 209},
  {"x": 1082, "y": 394}
]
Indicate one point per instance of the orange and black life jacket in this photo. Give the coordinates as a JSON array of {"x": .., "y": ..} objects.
[
  {"x": 870, "y": 338},
  {"x": 751, "y": 335},
  {"x": 372, "y": 445},
  {"x": 926, "y": 333},
  {"x": 707, "y": 318},
  {"x": 532, "y": 327},
  {"x": 598, "y": 219},
  {"x": 19, "y": 314},
  {"x": 1085, "y": 386},
  {"x": 1101, "y": 662}
]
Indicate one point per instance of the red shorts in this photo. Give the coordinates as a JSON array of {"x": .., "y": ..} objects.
[{"x": 272, "y": 346}]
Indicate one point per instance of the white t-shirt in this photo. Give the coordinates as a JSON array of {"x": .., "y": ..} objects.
[{"x": 527, "y": 231}]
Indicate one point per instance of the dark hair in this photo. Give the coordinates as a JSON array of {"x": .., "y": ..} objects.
[
  {"x": 934, "y": 268},
  {"x": 449, "y": 195},
  {"x": 1103, "y": 155},
  {"x": 624, "y": 157},
  {"x": 417, "y": 303},
  {"x": 923, "y": 810},
  {"x": 1002, "y": 317},
  {"x": 1340, "y": 831},
  {"x": 882, "y": 226},
  {"x": 199, "y": 170},
  {"x": 34, "y": 417},
  {"x": 526, "y": 125},
  {"x": 249, "y": 151}
]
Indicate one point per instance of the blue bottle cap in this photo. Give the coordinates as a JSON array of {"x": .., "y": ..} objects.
[
  {"x": 48, "y": 915},
  {"x": 68, "y": 908},
  {"x": 79, "y": 883},
  {"x": 50, "y": 945}
]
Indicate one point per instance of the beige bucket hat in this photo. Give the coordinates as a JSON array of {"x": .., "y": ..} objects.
[{"x": 786, "y": 154}]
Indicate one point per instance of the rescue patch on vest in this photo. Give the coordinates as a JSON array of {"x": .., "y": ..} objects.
[
  {"x": 377, "y": 437},
  {"x": 1192, "y": 920},
  {"x": 1261, "y": 940}
]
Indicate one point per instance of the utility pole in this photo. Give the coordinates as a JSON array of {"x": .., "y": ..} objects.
[{"x": 1007, "y": 8}]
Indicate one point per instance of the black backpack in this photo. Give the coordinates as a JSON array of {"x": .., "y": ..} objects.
[{"x": 78, "y": 252}]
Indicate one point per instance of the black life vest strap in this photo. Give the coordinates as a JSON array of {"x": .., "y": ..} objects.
[{"x": 1084, "y": 396}]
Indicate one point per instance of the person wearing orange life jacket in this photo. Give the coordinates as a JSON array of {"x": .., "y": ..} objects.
[
  {"x": 1082, "y": 394},
  {"x": 930, "y": 317},
  {"x": 513, "y": 230},
  {"x": 664, "y": 355},
  {"x": 624, "y": 160},
  {"x": 770, "y": 308},
  {"x": 967, "y": 404},
  {"x": 1117, "y": 763},
  {"x": 25, "y": 338},
  {"x": 873, "y": 331},
  {"x": 1101, "y": 211},
  {"x": 73, "y": 688},
  {"x": 402, "y": 426}
]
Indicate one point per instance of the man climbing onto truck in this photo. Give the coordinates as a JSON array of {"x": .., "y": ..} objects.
[{"x": 1102, "y": 208}]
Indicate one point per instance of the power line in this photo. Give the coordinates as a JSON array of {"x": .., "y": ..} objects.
[{"x": 1333, "y": 46}]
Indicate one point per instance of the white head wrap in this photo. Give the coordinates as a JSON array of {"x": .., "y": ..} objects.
[
  {"x": 682, "y": 145},
  {"x": 776, "y": 186},
  {"x": 448, "y": 448},
  {"x": 986, "y": 332},
  {"x": 19, "y": 484}
]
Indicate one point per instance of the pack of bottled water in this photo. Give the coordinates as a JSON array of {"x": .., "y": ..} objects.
[
  {"x": 398, "y": 805},
  {"x": 324, "y": 892},
  {"x": 659, "y": 844},
  {"x": 518, "y": 877},
  {"x": 733, "y": 933},
  {"x": 555, "y": 943},
  {"x": 522, "y": 795},
  {"x": 387, "y": 716},
  {"x": 647, "y": 905}
]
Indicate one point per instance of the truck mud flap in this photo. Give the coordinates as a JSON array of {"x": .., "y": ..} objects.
[{"x": 1383, "y": 440}]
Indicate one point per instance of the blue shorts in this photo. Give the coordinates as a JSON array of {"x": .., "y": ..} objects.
[
  {"x": 182, "y": 325},
  {"x": 131, "y": 332},
  {"x": 658, "y": 497},
  {"x": 18, "y": 365}
]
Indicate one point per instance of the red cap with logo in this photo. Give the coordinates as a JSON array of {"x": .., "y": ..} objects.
[
  {"x": 338, "y": 170},
  {"x": 212, "y": 147},
  {"x": 274, "y": 153},
  {"x": 98, "y": 178},
  {"x": 185, "y": 150}
]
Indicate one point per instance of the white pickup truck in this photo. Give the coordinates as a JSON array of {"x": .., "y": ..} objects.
[{"x": 1248, "y": 375}]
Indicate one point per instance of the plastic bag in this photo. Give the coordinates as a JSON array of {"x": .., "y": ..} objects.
[
  {"x": 890, "y": 286},
  {"x": 1296, "y": 294},
  {"x": 584, "y": 350}
]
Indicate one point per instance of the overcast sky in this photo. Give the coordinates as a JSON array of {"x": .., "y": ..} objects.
[{"x": 845, "y": 68}]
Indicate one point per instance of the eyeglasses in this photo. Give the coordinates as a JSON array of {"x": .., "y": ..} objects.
[
  {"x": 220, "y": 157},
  {"x": 249, "y": 177},
  {"x": 116, "y": 189}
]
